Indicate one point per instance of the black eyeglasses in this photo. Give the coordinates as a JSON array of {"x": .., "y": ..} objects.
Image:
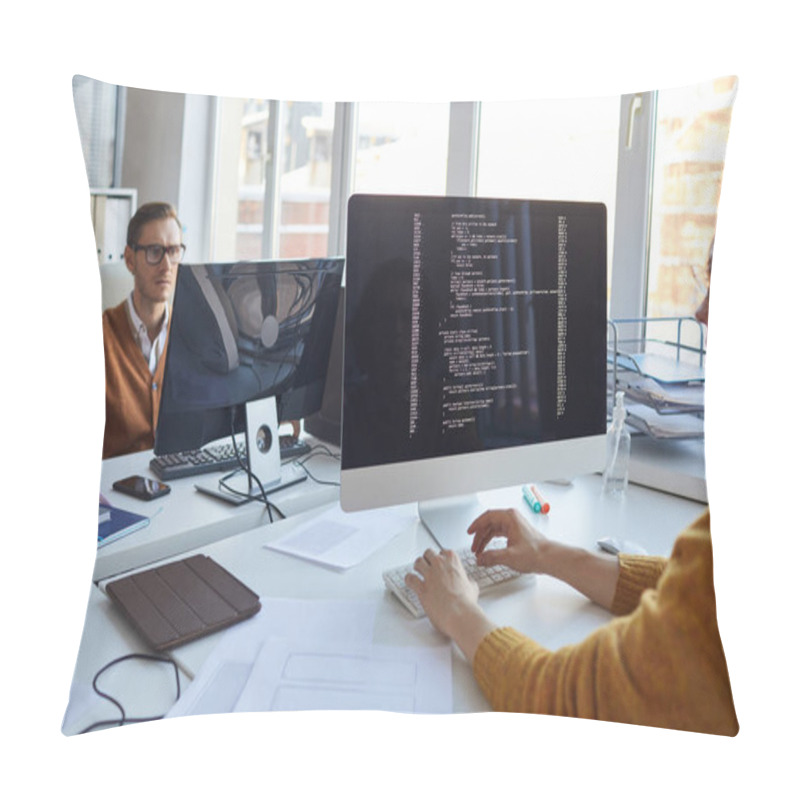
[{"x": 153, "y": 253}]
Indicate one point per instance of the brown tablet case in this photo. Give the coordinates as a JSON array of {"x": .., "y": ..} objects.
[{"x": 183, "y": 600}]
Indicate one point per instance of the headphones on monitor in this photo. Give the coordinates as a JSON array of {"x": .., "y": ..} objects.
[{"x": 240, "y": 308}]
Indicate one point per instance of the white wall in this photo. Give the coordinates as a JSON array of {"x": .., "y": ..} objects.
[
  {"x": 169, "y": 156},
  {"x": 153, "y": 143}
]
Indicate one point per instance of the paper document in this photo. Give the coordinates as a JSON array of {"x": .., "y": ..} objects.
[
  {"x": 341, "y": 540},
  {"x": 677, "y": 397},
  {"x": 292, "y": 677},
  {"x": 664, "y": 426},
  {"x": 218, "y": 684}
]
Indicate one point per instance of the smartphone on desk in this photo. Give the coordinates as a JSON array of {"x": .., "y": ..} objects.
[{"x": 141, "y": 487}]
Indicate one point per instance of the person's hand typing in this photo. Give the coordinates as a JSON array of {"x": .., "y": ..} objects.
[
  {"x": 449, "y": 598},
  {"x": 525, "y": 548},
  {"x": 442, "y": 587}
]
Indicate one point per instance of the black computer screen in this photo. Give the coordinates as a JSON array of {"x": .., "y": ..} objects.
[
  {"x": 471, "y": 324},
  {"x": 240, "y": 332}
]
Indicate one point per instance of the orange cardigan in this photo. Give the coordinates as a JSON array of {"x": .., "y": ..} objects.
[
  {"x": 133, "y": 395},
  {"x": 662, "y": 664}
]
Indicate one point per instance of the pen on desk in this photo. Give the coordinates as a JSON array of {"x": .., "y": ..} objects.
[
  {"x": 535, "y": 506},
  {"x": 535, "y": 500},
  {"x": 544, "y": 506}
]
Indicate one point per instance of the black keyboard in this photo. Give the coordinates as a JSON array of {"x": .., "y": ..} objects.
[{"x": 216, "y": 458}]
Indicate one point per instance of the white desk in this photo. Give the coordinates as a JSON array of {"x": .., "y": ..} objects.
[
  {"x": 185, "y": 518},
  {"x": 675, "y": 466},
  {"x": 145, "y": 689},
  {"x": 541, "y": 607}
]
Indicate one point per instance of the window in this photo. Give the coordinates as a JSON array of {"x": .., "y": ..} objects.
[
  {"x": 283, "y": 170},
  {"x": 252, "y": 179},
  {"x": 401, "y": 148},
  {"x": 691, "y": 135},
  {"x": 262, "y": 212},
  {"x": 551, "y": 150},
  {"x": 305, "y": 181},
  {"x": 273, "y": 179},
  {"x": 99, "y": 109}
]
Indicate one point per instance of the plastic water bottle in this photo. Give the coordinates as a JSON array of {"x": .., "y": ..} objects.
[{"x": 618, "y": 450}]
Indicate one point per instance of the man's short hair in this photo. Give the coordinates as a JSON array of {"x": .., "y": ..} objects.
[{"x": 147, "y": 213}]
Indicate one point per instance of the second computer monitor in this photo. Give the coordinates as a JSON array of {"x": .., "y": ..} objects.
[
  {"x": 241, "y": 332},
  {"x": 475, "y": 345}
]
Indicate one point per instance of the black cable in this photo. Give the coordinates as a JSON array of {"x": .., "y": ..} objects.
[
  {"x": 270, "y": 506},
  {"x": 252, "y": 476},
  {"x": 320, "y": 450},
  {"x": 317, "y": 450},
  {"x": 124, "y": 719}
]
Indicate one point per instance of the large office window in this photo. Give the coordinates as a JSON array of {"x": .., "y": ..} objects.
[
  {"x": 306, "y": 140},
  {"x": 551, "y": 150},
  {"x": 274, "y": 164},
  {"x": 401, "y": 148},
  {"x": 283, "y": 171},
  {"x": 690, "y": 139}
]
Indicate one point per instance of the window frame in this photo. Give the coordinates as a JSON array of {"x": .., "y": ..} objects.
[
  {"x": 633, "y": 205},
  {"x": 635, "y": 154}
]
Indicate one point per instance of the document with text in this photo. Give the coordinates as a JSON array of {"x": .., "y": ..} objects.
[{"x": 341, "y": 540}]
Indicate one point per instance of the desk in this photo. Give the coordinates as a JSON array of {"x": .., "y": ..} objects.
[
  {"x": 186, "y": 519},
  {"x": 538, "y": 606},
  {"x": 677, "y": 466}
]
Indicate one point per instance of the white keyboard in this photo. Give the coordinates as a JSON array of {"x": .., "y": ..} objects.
[{"x": 485, "y": 577}]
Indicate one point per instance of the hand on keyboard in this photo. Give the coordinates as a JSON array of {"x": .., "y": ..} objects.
[
  {"x": 523, "y": 546},
  {"x": 484, "y": 577}
]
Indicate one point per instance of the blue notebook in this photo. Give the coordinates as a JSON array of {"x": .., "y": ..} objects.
[{"x": 119, "y": 524}]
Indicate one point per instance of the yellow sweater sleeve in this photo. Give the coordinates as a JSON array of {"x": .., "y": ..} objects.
[
  {"x": 636, "y": 573},
  {"x": 661, "y": 665}
]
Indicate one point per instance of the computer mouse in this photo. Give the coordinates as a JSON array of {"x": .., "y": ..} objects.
[{"x": 615, "y": 546}]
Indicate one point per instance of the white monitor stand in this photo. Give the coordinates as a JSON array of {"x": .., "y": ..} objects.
[
  {"x": 447, "y": 520},
  {"x": 262, "y": 456}
]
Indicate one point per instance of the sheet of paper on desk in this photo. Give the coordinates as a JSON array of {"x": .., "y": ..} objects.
[
  {"x": 292, "y": 677},
  {"x": 218, "y": 684},
  {"x": 340, "y": 539}
]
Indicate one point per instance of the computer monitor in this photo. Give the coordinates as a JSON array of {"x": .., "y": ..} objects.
[
  {"x": 326, "y": 424},
  {"x": 249, "y": 346},
  {"x": 474, "y": 351}
]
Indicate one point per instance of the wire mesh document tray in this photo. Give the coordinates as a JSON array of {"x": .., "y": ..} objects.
[{"x": 659, "y": 362}]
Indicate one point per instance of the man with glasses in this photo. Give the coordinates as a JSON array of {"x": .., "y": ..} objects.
[{"x": 135, "y": 332}]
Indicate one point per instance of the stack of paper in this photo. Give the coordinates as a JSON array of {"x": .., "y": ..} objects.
[
  {"x": 317, "y": 655},
  {"x": 672, "y": 398},
  {"x": 664, "y": 426}
]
